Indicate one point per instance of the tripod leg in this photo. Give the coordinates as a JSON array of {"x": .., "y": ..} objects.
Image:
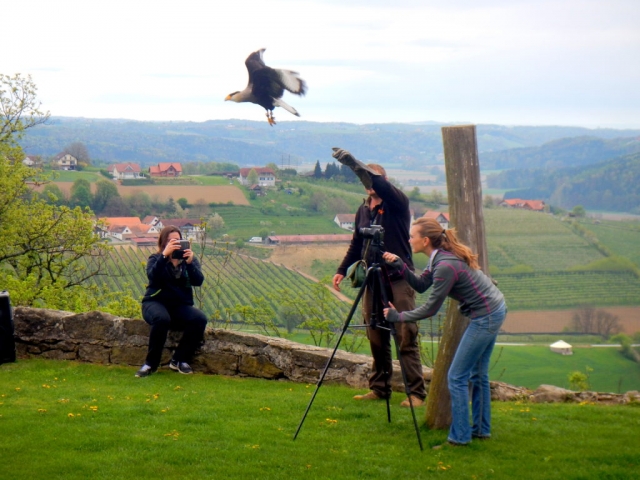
[
  {"x": 406, "y": 385},
  {"x": 326, "y": 367}
]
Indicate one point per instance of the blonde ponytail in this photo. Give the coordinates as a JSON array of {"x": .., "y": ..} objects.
[{"x": 444, "y": 239}]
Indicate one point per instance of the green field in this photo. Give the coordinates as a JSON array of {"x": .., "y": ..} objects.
[
  {"x": 246, "y": 222},
  {"x": 531, "y": 366},
  {"x": 621, "y": 237},
  {"x": 66, "y": 420}
]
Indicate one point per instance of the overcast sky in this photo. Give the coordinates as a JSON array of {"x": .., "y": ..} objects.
[{"x": 510, "y": 62}]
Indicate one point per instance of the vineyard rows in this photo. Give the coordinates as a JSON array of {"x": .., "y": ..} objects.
[
  {"x": 556, "y": 290},
  {"x": 233, "y": 280},
  {"x": 230, "y": 280}
]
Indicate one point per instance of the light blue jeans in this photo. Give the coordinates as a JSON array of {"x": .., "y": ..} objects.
[{"x": 471, "y": 365}]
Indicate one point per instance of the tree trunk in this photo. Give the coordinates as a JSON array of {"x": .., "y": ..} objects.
[{"x": 465, "y": 214}]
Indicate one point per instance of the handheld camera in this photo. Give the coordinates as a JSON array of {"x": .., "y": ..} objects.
[{"x": 184, "y": 245}]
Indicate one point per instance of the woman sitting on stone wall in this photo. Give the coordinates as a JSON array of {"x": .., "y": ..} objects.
[{"x": 168, "y": 302}]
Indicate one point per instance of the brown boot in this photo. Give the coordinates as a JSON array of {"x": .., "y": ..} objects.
[
  {"x": 415, "y": 401},
  {"x": 368, "y": 396}
]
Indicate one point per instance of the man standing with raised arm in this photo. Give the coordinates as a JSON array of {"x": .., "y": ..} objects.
[{"x": 387, "y": 206}]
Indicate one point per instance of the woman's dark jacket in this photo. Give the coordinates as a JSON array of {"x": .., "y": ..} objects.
[{"x": 165, "y": 288}]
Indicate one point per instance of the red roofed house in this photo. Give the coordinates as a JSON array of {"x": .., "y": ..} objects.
[
  {"x": 441, "y": 217},
  {"x": 169, "y": 169},
  {"x": 123, "y": 171},
  {"x": 266, "y": 176},
  {"x": 127, "y": 228},
  {"x": 345, "y": 220},
  {"x": 534, "y": 205}
]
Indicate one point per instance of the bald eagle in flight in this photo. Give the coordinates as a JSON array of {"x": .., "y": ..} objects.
[{"x": 267, "y": 85}]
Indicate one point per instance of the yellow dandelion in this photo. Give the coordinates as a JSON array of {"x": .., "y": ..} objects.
[
  {"x": 70, "y": 415},
  {"x": 265, "y": 409},
  {"x": 41, "y": 410},
  {"x": 46, "y": 386},
  {"x": 64, "y": 400},
  {"x": 17, "y": 389},
  {"x": 178, "y": 388},
  {"x": 331, "y": 421}
]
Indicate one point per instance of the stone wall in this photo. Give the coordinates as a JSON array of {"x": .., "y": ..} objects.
[{"x": 98, "y": 337}]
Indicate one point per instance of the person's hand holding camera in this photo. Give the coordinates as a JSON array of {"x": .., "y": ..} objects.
[
  {"x": 188, "y": 256},
  {"x": 175, "y": 246},
  {"x": 172, "y": 245}
]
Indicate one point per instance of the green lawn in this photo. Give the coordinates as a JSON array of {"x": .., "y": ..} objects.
[
  {"x": 531, "y": 366},
  {"x": 65, "y": 420}
]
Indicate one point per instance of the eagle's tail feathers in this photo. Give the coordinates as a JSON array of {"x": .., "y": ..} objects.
[{"x": 280, "y": 103}]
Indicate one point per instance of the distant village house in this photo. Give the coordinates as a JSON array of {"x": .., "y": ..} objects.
[
  {"x": 291, "y": 239},
  {"x": 266, "y": 176},
  {"x": 31, "y": 161},
  {"x": 441, "y": 217},
  {"x": 533, "y": 205},
  {"x": 168, "y": 169},
  {"x": 125, "y": 171},
  {"x": 345, "y": 220},
  {"x": 65, "y": 161},
  {"x": 129, "y": 228},
  {"x": 190, "y": 228}
]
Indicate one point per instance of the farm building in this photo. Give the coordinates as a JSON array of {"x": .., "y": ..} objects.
[
  {"x": 533, "y": 205},
  {"x": 345, "y": 220},
  {"x": 561, "y": 347},
  {"x": 287, "y": 239}
]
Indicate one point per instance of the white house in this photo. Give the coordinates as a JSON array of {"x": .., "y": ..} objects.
[
  {"x": 191, "y": 229},
  {"x": 30, "y": 160},
  {"x": 266, "y": 176},
  {"x": 441, "y": 217},
  {"x": 65, "y": 161},
  {"x": 125, "y": 171},
  {"x": 345, "y": 220},
  {"x": 561, "y": 347}
]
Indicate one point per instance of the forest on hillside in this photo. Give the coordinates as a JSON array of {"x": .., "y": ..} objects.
[
  {"x": 252, "y": 143},
  {"x": 611, "y": 185}
]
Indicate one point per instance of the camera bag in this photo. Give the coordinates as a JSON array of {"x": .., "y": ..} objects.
[
  {"x": 357, "y": 271},
  {"x": 7, "y": 342}
]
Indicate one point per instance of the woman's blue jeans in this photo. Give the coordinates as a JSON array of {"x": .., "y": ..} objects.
[{"x": 471, "y": 365}]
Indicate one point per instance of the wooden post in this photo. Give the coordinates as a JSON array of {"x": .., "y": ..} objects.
[{"x": 465, "y": 214}]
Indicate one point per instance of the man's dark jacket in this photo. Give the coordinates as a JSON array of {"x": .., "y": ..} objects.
[{"x": 394, "y": 216}]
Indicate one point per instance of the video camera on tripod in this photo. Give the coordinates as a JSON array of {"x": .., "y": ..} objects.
[{"x": 375, "y": 233}]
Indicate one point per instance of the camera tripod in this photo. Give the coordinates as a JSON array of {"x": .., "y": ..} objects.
[{"x": 374, "y": 281}]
